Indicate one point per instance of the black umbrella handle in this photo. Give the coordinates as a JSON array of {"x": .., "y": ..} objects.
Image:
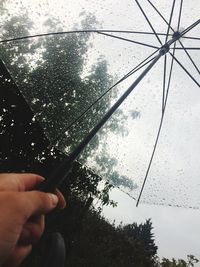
[
  {"x": 59, "y": 174},
  {"x": 54, "y": 253}
]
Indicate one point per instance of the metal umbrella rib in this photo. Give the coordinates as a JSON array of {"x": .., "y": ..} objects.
[
  {"x": 148, "y": 62},
  {"x": 134, "y": 70},
  {"x": 169, "y": 27}
]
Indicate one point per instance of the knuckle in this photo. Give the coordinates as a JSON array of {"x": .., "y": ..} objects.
[{"x": 42, "y": 200}]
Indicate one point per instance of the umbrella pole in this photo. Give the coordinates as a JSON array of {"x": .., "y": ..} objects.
[
  {"x": 64, "y": 168},
  {"x": 62, "y": 171}
]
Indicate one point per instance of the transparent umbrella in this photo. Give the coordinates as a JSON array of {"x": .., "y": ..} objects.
[{"x": 73, "y": 62}]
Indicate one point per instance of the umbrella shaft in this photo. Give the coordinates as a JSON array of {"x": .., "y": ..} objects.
[
  {"x": 62, "y": 171},
  {"x": 93, "y": 132}
]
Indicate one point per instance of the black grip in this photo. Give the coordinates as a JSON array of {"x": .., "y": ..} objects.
[
  {"x": 54, "y": 253},
  {"x": 47, "y": 186},
  {"x": 56, "y": 178}
]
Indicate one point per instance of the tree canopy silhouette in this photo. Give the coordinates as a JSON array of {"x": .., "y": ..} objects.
[{"x": 51, "y": 74}]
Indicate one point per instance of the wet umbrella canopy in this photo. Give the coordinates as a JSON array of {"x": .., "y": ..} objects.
[{"x": 72, "y": 78}]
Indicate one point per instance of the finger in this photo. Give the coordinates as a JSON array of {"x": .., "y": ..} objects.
[
  {"x": 24, "y": 182},
  {"x": 18, "y": 255},
  {"x": 61, "y": 199},
  {"x": 21, "y": 206},
  {"x": 32, "y": 231},
  {"x": 37, "y": 203},
  {"x": 19, "y": 181}
]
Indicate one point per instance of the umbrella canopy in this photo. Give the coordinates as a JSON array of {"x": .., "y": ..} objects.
[{"x": 80, "y": 57}]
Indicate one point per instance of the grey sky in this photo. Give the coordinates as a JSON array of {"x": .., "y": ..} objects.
[
  {"x": 174, "y": 176},
  {"x": 176, "y": 229}
]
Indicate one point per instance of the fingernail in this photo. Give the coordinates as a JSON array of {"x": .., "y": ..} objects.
[
  {"x": 54, "y": 199},
  {"x": 62, "y": 206}
]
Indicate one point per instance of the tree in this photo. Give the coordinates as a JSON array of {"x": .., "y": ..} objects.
[
  {"x": 25, "y": 147},
  {"x": 142, "y": 238},
  {"x": 49, "y": 71},
  {"x": 191, "y": 260},
  {"x": 53, "y": 67}
]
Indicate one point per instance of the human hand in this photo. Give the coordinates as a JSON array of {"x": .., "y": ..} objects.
[{"x": 22, "y": 215}]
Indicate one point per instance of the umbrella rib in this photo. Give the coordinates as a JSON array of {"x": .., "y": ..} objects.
[
  {"x": 151, "y": 159},
  {"x": 159, "y": 13},
  {"x": 191, "y": 38},
  {"x": 75, "y": 31},
  {"x": 180, "y": 13},
  {"x": 164, "y": 82},
  {"x": 169, "y": 27},
  {"x": 158, "y": 133},
  {"x": 181, "y": 65},
  {"x": 188, "y": 54},
  {"x": 169, "y": 80},
  {"x": 135, "y": 69},
  {"x": 85, "y": 31},
  {"x": 148, "y": 21},
  {"x": 187, "y": 48},
  {"x": 182, "y": 33},
  {"x": 165, "y": 104},
  {"x": 170, "y": 20},
  {"x": 185, "y": 37},
  {"x": 190, "y": 27},
  {"x": 64, "y": 167},
  {"x": 127, "y": 40}
]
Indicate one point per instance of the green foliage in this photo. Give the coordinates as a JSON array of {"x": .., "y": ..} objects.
[
  {"x": 24, "y": 147},
  {"x": 52, "y": 75},
  {"x": 50, "y": 72},
  {"x": 106, "y": 168},
  {"x": 142, "y": 238},
  {"x": 191, "y": 260},
  {"x": 173, "y": 263},
  {"x": 92, "y": 241}
]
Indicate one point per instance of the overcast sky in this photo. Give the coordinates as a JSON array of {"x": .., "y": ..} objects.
[
  {"x": 174, "y": 176},
  {"x": 176, "y": 229}
]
